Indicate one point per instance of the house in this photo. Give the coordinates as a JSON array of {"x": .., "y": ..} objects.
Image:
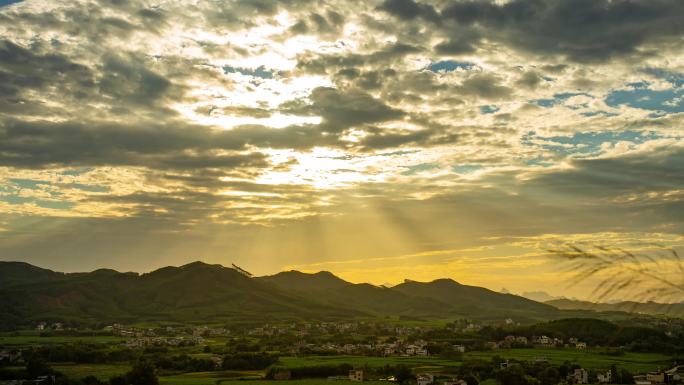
[
  {"x": 282, "y": 374},
  {"x": 579, "y": 376},
  {"x": 459, "y": 348},
  {"x": 425, "y": 379},
  {"x": 521, "y": 340},
  {"x": 604, "y": 378},
  {"x": 492, "y": 345},
  {"x": 581, "y": 345},
  {"x": 543, "y": 340},
  {"x": 455, "y": 382},
  {"x": 10, "y": 357},
  {"x": 656, "y": 377},
  {"x": 218, "y": 361},
  {"x": 356, "y": 375},
  {"x": 421, "y": 352}
]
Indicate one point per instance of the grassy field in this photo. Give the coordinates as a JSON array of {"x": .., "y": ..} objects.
[
  {"x": 209, "y": 378},
  {"x": 590, "y": 359},
  {"x": 36, "y": 340},
  {"x": 101, "y": 371}
]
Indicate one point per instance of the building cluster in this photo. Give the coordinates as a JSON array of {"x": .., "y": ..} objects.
[
  {"x": 41, "y": 380},
  {"x": 49, "y": 326},
  {"x": 541, "y": 341},
  {"x": 169, "y": 331},
  {"x": 11, "y": 357},
  {"x": 399, "y": 348},
  {"x": 659, "y": 378},
  {"x": 144, "y": 342}
]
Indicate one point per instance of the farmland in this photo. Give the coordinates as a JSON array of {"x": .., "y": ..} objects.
[{"x": 590, "y": 359}]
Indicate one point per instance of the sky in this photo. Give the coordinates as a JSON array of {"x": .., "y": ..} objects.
[{"x": 379, "y": 140}]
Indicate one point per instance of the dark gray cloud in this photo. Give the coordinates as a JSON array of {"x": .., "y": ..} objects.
[
  {"x": 22, "y": 70},
  {"x": 331, "y": 63},
  {"x": 341, "y": 110},
  {"x": 409, "y": 9},
  {"x": 581, "y": 30},
  {"x": 171, "y": 144},
  {"x": 658, "y": 170}
]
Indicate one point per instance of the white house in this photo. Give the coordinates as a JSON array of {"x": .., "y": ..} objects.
[
  {"x": 579, "y": 376},
  {"x": 356, "y": 375},
  {"x": 604, "y": 378},
  {"x": 425, "y": 379}
]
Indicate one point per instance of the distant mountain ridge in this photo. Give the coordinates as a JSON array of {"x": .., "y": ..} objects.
[
  {"x": 650, "y": 308},
  {"x": 204, "y": 293}
]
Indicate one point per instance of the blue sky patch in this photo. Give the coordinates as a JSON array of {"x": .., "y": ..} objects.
[
  {"x": 667, "y": 101},
  {"x": 558, "y": 99},
  {"x": 585, "y": 142},
  {"x": 467, "y": 168},
  {"x": 48, "y": 204},
  {"x": 674, "y": 78},
  {"x": 489, "y": 109},
  {"x": 90, "y": 187},
  {"x": 28, "y": 183},
  {"x": 538, "y": 161},
  {"x": 259, "y": 72},
  {"x": 8, "y": 2},
  {"x": 77, "y": 171},
  {"x": 605, "y": 114},
  {"x": 418, "y": 168},
  {"x": 449, "y": 66}
]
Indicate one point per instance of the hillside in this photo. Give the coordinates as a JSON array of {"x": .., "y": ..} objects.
[
  {"x": 18, "y": 273},
  {"x": 377, "y": 300},
  {"x": 199, "y": 292},
  {"x": 476, "y": 300},
  {"x": 190, "y": 293},
  {"x": 651, "y": 308}
]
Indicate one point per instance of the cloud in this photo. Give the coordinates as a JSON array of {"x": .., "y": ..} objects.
[
  {"x": 302, "y": 132},
  {"x": 583, "y": 31}
]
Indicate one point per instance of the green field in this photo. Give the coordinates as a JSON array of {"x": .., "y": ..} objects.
[
  {"x": 37, "y": 340},
  {"x": 209, "y": 378},
  {"x": 590, "y": 359},
  {"x": 101, "y": 371},
  {"x": 360, "y": 361}
]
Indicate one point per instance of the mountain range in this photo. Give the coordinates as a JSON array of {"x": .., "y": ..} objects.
[
  {"x": 650, "y": 308},
  {"x": 204, "y": 293}
]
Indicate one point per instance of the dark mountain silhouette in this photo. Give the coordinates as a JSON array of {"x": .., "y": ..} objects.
[
  {"x": 202, "y": 293},
  {"x": 652, "y": 308}
]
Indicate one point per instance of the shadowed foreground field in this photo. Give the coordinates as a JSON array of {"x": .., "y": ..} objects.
[{"x": 590, "y": 359}]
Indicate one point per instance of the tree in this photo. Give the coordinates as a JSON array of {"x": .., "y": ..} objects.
[
  {"x": 402, "y": 373},
  {"x": 626, "y": 377},
  {"x": 119, "y": 380},
  {"x": 37, "y": 366},
  {"x": 143, "y": 373},
  {"x": 549, "y": 376},
  {"x": 513, "y": 375},
  {"x": 470, "y": 380}
]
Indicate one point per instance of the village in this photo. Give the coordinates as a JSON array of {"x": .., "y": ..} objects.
[{"x": 456, "y": 342}]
